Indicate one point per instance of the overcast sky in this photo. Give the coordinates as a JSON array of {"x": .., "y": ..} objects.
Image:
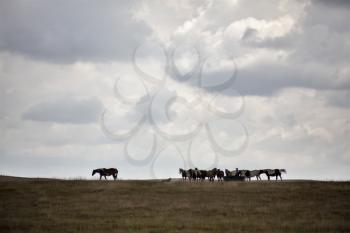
[{"x": 152, "y": 86}]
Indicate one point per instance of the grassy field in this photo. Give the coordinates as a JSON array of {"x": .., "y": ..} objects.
[{"x": 33, "y": 205}]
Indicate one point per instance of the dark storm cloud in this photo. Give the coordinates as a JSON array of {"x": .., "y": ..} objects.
[
  {"x": 317, "y": 47},
  {"x": 267, "y": 78},
  {"x": 67, "y": 31},
  {"x": 292, "y": 60},
  {"x": 334, "y": 3},
  {"x": 66, "y": 111},
  {"x": 340, "y": 99},
  {"x": 326, "y": 33}
]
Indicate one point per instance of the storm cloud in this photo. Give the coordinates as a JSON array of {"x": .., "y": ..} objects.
[
  {"x": 66, "y": 111},
  {"x": 67, "y": 32},
  {"x": 289, "y": 93}
]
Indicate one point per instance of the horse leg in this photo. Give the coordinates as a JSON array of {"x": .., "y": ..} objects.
[
  {"x": 100, "y": 177},
  {"x": 105, "y": 177}
]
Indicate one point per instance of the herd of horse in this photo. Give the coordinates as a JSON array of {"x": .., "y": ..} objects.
[{"x": 196, "y": 174}]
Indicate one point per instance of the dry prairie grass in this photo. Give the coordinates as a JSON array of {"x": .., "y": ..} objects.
[{"x": 33, "y": 205}]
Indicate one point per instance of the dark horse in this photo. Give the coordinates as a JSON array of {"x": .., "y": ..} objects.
[
  {"x": 212, "y": 173},
  {"x": 184, "y": 173},
  {"x": 274, "y": 172},
  {"x": 220, "y": 175},
  {"x": 106, "y": 172}
]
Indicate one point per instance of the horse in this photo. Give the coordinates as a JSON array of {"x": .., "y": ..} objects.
[
  {"x": 197, "y": 174},
  {"x": 253, "y": 173},
  {"x": 211, "y": 174},
  {"x": 106, "y": 172},
  {"x": 220, "y": 175},
  {"x": 203, "y": 174},
  {"x": 192, "y": 174},
  {"x": 184, "y": 173},
  {"x": 274, "y": 172}
]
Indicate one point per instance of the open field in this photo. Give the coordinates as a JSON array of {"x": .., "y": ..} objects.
[{"x": 39, "y": 205}]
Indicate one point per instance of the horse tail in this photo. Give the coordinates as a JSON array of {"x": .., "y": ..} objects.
[{"x": 283, "y": 170}]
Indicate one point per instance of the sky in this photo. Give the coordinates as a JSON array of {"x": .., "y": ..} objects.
[{"x": 149, "y": 87}]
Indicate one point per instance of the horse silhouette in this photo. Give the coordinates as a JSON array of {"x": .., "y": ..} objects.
[{"x": 106, "y": 172}]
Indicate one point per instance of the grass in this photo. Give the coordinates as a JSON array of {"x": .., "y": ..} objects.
[{"x": 39, "y": 205}]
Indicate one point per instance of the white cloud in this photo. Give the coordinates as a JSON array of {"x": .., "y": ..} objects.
[{"x": 292, "y": 70}]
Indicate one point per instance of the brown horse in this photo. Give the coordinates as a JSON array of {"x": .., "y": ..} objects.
[
  {"x": 203, "y": 174},
  {"x": 185, "y": 174},
  {"x": 106, "y": 172},
  {"x": 211, "y": 174},
  {"x": 274, "y": 172},
  {"x": 220, "y": 175}
]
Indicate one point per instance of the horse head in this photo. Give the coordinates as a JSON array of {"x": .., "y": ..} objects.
[
  {"x": 265, "y": 171},
  {"x": 94, "y": 172}
]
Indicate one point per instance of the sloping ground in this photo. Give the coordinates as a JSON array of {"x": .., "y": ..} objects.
[{"x": 152, "y": 206}]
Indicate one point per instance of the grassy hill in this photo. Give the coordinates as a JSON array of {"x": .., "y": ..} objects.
[{"x": 40, "y": 205}]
